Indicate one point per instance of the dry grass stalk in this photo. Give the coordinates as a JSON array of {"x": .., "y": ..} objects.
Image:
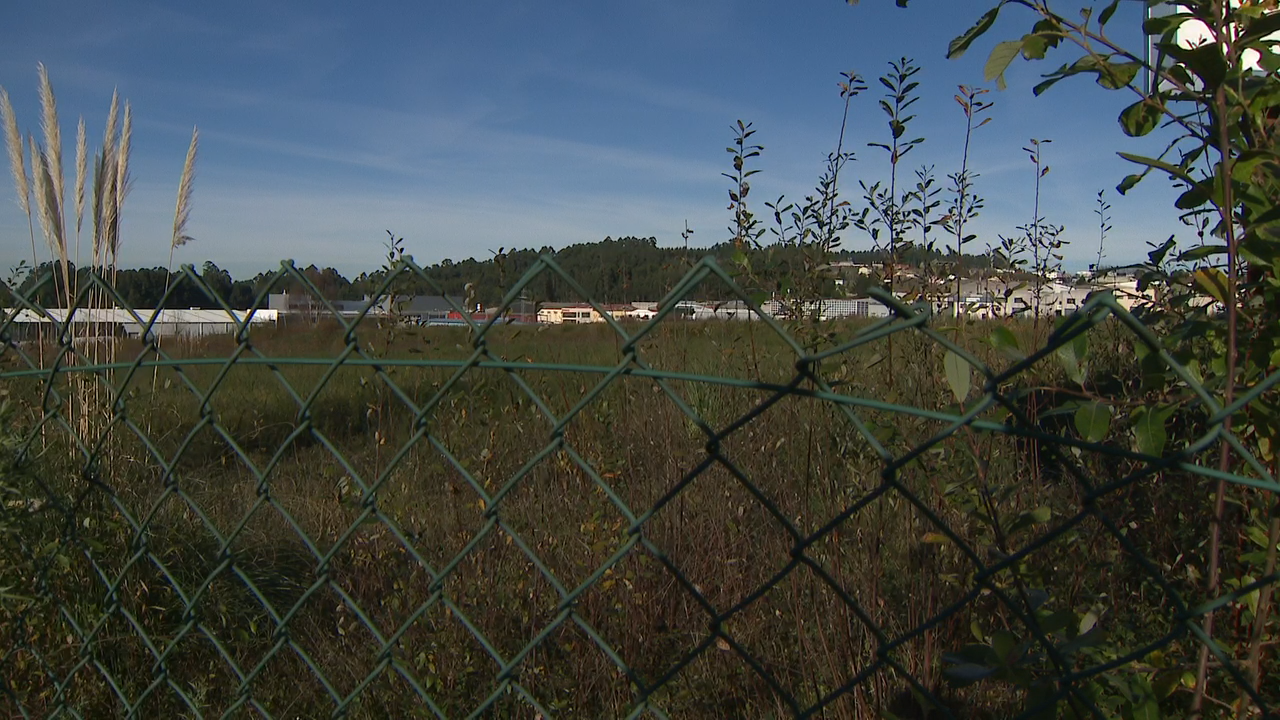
[
  {"x": 185, "y": 185},
  {"x": 181, "y": 215},
  {"x": 104, "y": 205},
  {"x": 113, "y": 124},
  {"x": 106, "y": 186},
  {"x": 41, "y": 191},
  {"x": 110, "y": 185},
  {"x": 99, "y": 167},
  {"x": 51, "y": 200},
  {"x": 18, "y": 167},
  {"x": 52, "y": 133},
  {"x": 17, "y": 164},
  {"x": 107, "y": 220},
  {"x": 82, "y": 167},
  {"x": 122, "y": 178}
]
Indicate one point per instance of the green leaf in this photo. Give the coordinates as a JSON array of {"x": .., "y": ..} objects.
[
  {"x": 1041, "y": 87},
  {"x": 1146, "y": 708},
  {"x": 1072, "y": 357},
  {"x": 958, "y": 46},
  {"x": 1166, "y": 681},
  {"x": 1206, "y": 61},
  {"x": 1087, "y": 622},
  {"x": 1213, "y": 282},
  {"x": 1003, "y": 340},
  {"x": 1001, "y": 55},
  {"x": 1039, "y": 516},
  {"x": 959, "y": 376},
  {"x": 1003, "y": 642},
  {"x": 1266, "y": 24},
  {"x": 1107, "y": 12},
  {"x": 1148, "y": 429},
  {"x": 1114, "y": 76},
  {"x": 1139, "y": 119},
  {"x": 1156, "y": 256},
  {"x": 1129, "y": 183},
  {"x": 1193, "y": 198},
  {"x": 967, "y": 673},
  {"x": 1202, "y": 252},
  {"x": 1161, "y": 24},
  {"x": 1172, "y": 170},
  {"x": 1054, "y": 622},
  {"x": 1093, "y": 421},
  {"x": 1034, "y": 47},
  {"x": 1083, "y": 640}
]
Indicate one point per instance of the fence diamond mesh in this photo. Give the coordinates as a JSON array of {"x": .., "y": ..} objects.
[{"x": 356, "y": 517}]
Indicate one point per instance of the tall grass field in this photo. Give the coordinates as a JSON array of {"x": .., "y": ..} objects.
[{"x": 278, "y": 539}]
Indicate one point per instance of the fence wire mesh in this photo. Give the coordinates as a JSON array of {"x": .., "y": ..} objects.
[{"x": 355, "y": 517}]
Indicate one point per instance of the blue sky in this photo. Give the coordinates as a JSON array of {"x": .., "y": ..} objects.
[{"x": 465, "y": 126}]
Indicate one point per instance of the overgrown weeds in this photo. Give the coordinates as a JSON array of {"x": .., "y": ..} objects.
[{"x": 253, "y": 545}]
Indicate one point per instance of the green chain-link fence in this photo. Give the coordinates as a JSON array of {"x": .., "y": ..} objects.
[{"x": 354, "y": 517}]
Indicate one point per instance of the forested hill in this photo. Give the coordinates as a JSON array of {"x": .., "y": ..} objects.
[{"x": 612, "y": 270}]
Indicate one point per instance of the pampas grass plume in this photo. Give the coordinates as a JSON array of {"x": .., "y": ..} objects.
[
  {"x": 82, "y": 169},
  {"x": 52, "y": 138},
  {"x": 183, "y": 211},
  {"x": 122, "y": 174},
  {"x": 17, "y": 164}
]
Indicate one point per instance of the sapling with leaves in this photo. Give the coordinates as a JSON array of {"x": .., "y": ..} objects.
[
  {"x": 390, "y": 317},
  {"x": 1044, "y": 239},
  {"x": 746, "y": 226},
  {"x": 1220, "y": 99},
  {"x": 887, "y": 208},
  {"x": 964, "y": 204},
  {"x": 797, "y": 265},
  {"x": 1103, "y": 211},
  {"x": 817, "y": 226},
  {"x": 922, "y": 203},
  {"x": 836, "y": 214},
  {"x": 746, "y": 229}
]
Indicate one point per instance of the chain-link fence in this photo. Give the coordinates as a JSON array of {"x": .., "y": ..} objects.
[{"x": 352, "y": 515}]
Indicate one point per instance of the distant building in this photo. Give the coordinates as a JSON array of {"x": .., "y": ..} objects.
[
  {"x": 114, "y": 322},
  {"x": 417, "y": 309},
  {"x": 431, "y": 309},
  {"x": 997, "y": 297},
  {"x": 568, "y": 314}
]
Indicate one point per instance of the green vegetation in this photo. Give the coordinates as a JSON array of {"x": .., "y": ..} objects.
[
  {"x": 611, "y": 270},
  {"x": 329, "y": 539},
  {"x": 919, "y": 518}
]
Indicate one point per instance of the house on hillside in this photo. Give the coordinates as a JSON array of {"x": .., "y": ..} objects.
[{"x": 568, "y": 313}]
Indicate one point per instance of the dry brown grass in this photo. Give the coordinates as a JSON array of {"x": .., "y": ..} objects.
[{"x": 334, "y": 543}]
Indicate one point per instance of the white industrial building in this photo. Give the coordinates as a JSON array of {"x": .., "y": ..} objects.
[{"x": 125, "y": 323}]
